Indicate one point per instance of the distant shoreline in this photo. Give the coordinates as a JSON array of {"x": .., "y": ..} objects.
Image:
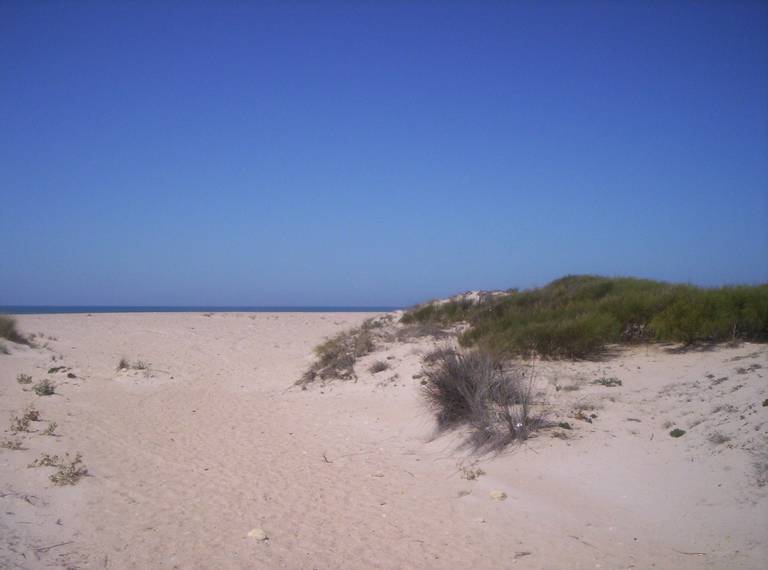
[{"x": 78, "y": 309}]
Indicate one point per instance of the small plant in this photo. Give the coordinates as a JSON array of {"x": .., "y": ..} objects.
[
  {"x": 760, "y": 466},
  {"x": 13, "y": 444},
  {"x": 69, "y": 471},
  {"x": 31, "y": 414},
  {"x": 126, "y": 365},
  {"x": 55, "y": 369},
  {"x": 471, "y": 474},
  {"x": 51, "y": 429},
  {"x": 611, "y": 382},
  {"x": 44, "y": 388},
  {"x": 46, "y": 460},
  {"x": 564, "y": 425},
  {"x": 4, "y": 349},
  {"x": 718, "y": 438},
  {"x": 19, "y": 424},
  {"x": 378, "y": 366},
  {"x": 677, "y": 432},
  {"x": 24, "y": 379}
]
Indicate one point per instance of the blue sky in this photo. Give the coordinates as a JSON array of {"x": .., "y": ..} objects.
[{"x": 364, "y": 153}]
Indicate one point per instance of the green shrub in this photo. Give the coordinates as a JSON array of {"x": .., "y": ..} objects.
[{"x": 577, "y": 316}]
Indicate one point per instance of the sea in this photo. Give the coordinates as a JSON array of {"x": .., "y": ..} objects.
[{"x": 65, "y": 309}]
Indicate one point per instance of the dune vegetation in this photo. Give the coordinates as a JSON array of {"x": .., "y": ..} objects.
[
  {"x": 578, "y": 316},
  {"x": 9, "y": 331}
]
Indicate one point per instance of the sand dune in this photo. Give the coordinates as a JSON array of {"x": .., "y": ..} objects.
[{"x": 212, "y": 441}]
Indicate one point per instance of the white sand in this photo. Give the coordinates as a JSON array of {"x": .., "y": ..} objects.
[{"x": 213, "y": 442}]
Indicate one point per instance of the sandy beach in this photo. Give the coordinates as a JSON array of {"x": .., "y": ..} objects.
[{"x": 209, "y": 457}]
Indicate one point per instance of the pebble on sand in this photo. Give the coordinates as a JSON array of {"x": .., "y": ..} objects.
[{"x": 258, "y": 534}]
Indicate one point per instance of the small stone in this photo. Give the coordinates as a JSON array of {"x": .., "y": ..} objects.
[
  {"x": 258, "y": 534},
  {"x": 498, "y": 495}
]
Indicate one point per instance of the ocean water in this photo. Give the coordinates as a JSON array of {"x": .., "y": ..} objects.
[{"x": 58, "y": 309}]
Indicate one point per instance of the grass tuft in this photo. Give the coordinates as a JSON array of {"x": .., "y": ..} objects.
[
  {"x": 24, "y": 379},
  {"x": 44, "y": 388},
  {"x": 9, "y": 331},
  {"x": 472, "y": 388}
]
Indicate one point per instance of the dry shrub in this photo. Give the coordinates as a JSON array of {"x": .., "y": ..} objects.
[
  {"x": 46, "y": 460},
  {"x": 409, "y": 332},
  {"x": 19, "y": 424},
  {"x": 9, "y": 331},
  {"x": 69, "y": 471},
  {"x": 336, "y": 356},
  {"x": 31, "y": 414},
  {"x": 378, "y": 366},
  {"x": 12, "y": 444},
  {"x": 474, "y": 389},
  {"x": 44, "y": 388}
]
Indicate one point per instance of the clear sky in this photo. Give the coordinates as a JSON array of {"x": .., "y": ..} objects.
[{"x": 376, "y": 153}]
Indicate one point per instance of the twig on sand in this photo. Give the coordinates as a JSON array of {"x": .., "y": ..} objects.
[
  {"x": 690, "y": 553},
  {"x": 28, "y": 498},
  {"x": 584, "y": 542},
  {"x": 325, "y": 458},
  {"x": 47, "y": 548}
]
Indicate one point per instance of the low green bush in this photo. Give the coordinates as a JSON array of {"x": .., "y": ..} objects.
[{"x": 577, "y": 316}]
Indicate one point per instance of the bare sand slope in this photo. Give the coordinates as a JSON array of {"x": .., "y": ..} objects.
[{"x": 185, "y": 459}]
